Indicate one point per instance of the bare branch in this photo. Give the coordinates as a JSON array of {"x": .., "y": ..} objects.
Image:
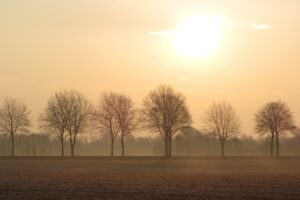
[
  {"x": 222, "y": 120},
  {"x": 14, "y": 117},
  {"x": 274, "y": 119},
  {"x": 165, "y": 112}
]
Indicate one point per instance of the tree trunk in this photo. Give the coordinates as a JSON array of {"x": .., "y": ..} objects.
[
  {"x": 122, "y": 143},
  {"x": 170, "y": 146},
  {"x": 271, "y": 145},
  {"x": 112, "y": 147},
  {"x": 166, "y": 147},
  {"x": 62, "y": 148},
  {"x": 277, "y": 145},
  {"x": 72, "y": 150},
  {"x": 222, "y": 145},
  {"x": 222, "y": 149},
  {"x": 12, "y": 144},
  {"x": 72, "y": 144}
]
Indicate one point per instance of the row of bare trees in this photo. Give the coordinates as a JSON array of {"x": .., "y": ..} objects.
[
  {"x": 164, "y": 112},
  {"x": 66, "y": 116},
  {"x": 115, "y": 115},
  {"x": 274, "y": 119}
]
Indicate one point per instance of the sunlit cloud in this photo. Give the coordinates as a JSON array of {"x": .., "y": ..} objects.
[
  {"x": 226, "y": 23},
  {"x": 260, "y": 26}
]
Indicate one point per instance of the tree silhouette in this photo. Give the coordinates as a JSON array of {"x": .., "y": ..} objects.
[
  {"x": 104, "y": 118},
  {"x": 274, "y": 118},
  {"x": 127, "y": 117},
  {"x": 223, "y": 121},
  {"x": 14, "y": 117},
  {"x": 67, "y": 111},
  {"x": 78, "y": 111},
  {"x": 165, "y": 112},
  {"x": 54, "y": 119}
]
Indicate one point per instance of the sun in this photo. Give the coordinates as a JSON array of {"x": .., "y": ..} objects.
[{"x": 198, "y": 36}]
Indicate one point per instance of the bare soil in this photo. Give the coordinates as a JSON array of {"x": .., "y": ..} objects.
[{"x": 149, "y": 178}]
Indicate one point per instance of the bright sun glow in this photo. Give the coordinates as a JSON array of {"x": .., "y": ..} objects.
[{"x": 198, "y": 36}]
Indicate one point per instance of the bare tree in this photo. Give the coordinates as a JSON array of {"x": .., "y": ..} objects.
[
  {"x": 223, "y": 121},
  {"x": 274, "y": 118},
  {"x": 104, "y": 117},
  {"x": 166, "y": 113},
  {"x": 54, "y": 118},
  {"x": 14, "y": 118},
  {"x": 127, "y": 117},
  {"x": 78, "y": 111}
]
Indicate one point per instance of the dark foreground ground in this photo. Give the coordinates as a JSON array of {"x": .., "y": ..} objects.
[{"x": 149, "y": 178}]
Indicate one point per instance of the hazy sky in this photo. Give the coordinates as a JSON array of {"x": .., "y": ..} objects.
[{"x": 104, "y": 45}]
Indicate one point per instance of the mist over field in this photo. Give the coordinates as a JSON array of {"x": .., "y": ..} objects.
[{"x": 184, "y": 145}]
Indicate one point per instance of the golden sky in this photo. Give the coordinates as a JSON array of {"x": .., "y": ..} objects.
[{"x": 103, "y": 45}]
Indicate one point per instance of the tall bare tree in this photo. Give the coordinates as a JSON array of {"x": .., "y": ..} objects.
[
  {"x": 78, "y": 111},
  {"x": 14, "y": 118},
  {"x": 104, "y": 118},
  {"x": 274, "y": 118},
  {"x": 54, "y": 118},
  {"x": 166, "y": 113},
  {"x": 127, "y": 117},
  {"x": 223, "y": 121}
]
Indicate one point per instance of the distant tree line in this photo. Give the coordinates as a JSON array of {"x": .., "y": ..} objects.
[{"x": 164, "y": 113}]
